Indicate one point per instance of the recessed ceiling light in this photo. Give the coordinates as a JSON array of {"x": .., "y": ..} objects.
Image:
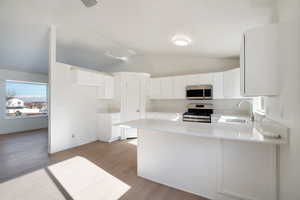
[{"x": 181, "y": 40}]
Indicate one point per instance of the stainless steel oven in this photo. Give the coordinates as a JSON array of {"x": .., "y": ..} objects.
[
  {"x": 198, "y": 113},
  {"x": 200, "y": 92}
]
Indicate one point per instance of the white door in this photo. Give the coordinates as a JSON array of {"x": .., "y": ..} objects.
[{"x": 133, "y": 107}]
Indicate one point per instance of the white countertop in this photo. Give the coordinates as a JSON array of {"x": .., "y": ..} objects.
[{"x": 240, "y": 132}]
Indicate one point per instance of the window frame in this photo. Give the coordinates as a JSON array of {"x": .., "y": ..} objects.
[{"x": 25, "y": 116}]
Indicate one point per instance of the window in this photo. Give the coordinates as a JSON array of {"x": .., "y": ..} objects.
[
  {"x": 259, "y": 105},
  {"x": 26, "y": 99}
]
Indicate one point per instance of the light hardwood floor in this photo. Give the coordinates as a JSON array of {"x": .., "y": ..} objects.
[{"x": 25, "y": 152}]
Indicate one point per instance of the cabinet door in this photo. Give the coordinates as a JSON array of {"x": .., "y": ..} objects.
[
  {"x": 166, "y": 88},
  {"x": 259, "y": 61},
  {"x": 200, "y": 79},
  {"x": 179, "y": 87},
  {"x": 109, "y": 87},
  {"x": 155, "y": 88},
  {"x": 206, "y": 79},
  {"x": 231, "y": 83},
  {"x": 218, "y": 85},
  {"x": 106, "y": 90}
]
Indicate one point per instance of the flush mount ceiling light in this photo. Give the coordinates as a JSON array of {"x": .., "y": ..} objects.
[{"x": 181, "y": 40}]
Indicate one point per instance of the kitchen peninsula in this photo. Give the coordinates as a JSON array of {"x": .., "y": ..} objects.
[{"x": 236, "y": 160}]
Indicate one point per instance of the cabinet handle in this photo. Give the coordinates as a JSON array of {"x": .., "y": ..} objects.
[{"x": 137, "y": 110}]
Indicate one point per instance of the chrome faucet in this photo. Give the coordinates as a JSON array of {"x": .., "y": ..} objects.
[{"x": 251, "y": 108}]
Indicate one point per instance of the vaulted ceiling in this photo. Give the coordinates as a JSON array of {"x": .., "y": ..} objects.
[{"x": 117, "y": 27}]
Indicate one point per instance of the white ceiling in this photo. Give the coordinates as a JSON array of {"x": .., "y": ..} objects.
[{"x": 85, "y": 34}]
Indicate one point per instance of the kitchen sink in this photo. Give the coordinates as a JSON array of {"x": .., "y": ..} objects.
[
  {"x": 232, "y": 120},
  {"x": 242, "y": 121}
]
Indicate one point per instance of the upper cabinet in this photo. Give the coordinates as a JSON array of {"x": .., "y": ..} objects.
[
  {"x": 155, "y": 88},
  {"x": 166, "y": 85},
  {"x": 200, "y": 79},
  {"x": 218, "y": 82},
  {"x": 104, "y": 83},
  {"x": 179, "y": 85},
  {"x": 86, "y": 77},
  {"x": 225, "y": 85},
  {"x": 231, "y": 84},
  {"x": 259, "y": 61}
]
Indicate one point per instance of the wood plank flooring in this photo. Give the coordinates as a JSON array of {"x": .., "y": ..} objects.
[{"x": 25, "y": 152}]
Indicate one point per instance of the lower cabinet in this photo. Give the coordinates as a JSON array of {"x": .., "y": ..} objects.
[
  {"x": 246, "y": 171},
  {"x": 108, "y": 132},
  {"x": 211, "y": 168}
]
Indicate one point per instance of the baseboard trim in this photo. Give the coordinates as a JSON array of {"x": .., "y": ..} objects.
[{"x": 21, "y": 132}]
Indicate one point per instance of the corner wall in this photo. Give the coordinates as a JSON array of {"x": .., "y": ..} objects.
[
  {"x": 73, "y": 110},
  {"x": 24, "y": 124},
  {"x": 286, "y": 107}
]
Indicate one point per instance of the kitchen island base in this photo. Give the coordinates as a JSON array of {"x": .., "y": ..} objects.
[{"x": 212, "y": 168}]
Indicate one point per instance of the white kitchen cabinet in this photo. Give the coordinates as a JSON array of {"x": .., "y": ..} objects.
[
  {"x": 106, "y": 90},
  {"x": 225, "y": 85},
  {"x": 166, "y": 88},
  {"x": 86, "y": 77},
  {"x": 106, "y": 131},
  {"x": 259, "y": 61},
  {"x": 155, "y": 88},
  {"x": 179, "y": 87},
  {"x": 218, "y": 85},
  {"x": 200, "y": 79},
  {"x": 231, "y": 83}
]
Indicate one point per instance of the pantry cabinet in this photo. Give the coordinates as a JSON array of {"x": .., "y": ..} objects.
[
  {"x": 259, "y": 61},
  {"x": 106, "y": 90}
]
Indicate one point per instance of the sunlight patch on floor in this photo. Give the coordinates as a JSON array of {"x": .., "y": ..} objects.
[
  {"x": 33, "y": 186},
  {"x": 83, "y": 180}
]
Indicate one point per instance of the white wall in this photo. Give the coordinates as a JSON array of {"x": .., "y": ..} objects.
[
  {"x": 16, "y": 125},
  {"x": 286, "y": 107},
  {"x": 72, "y": 112}
]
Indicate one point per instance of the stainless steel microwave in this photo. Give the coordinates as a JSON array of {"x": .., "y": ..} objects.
[{"x": 199, "y": 92}]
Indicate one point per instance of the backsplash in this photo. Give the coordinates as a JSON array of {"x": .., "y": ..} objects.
[{"x": 225, "y": 106}]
